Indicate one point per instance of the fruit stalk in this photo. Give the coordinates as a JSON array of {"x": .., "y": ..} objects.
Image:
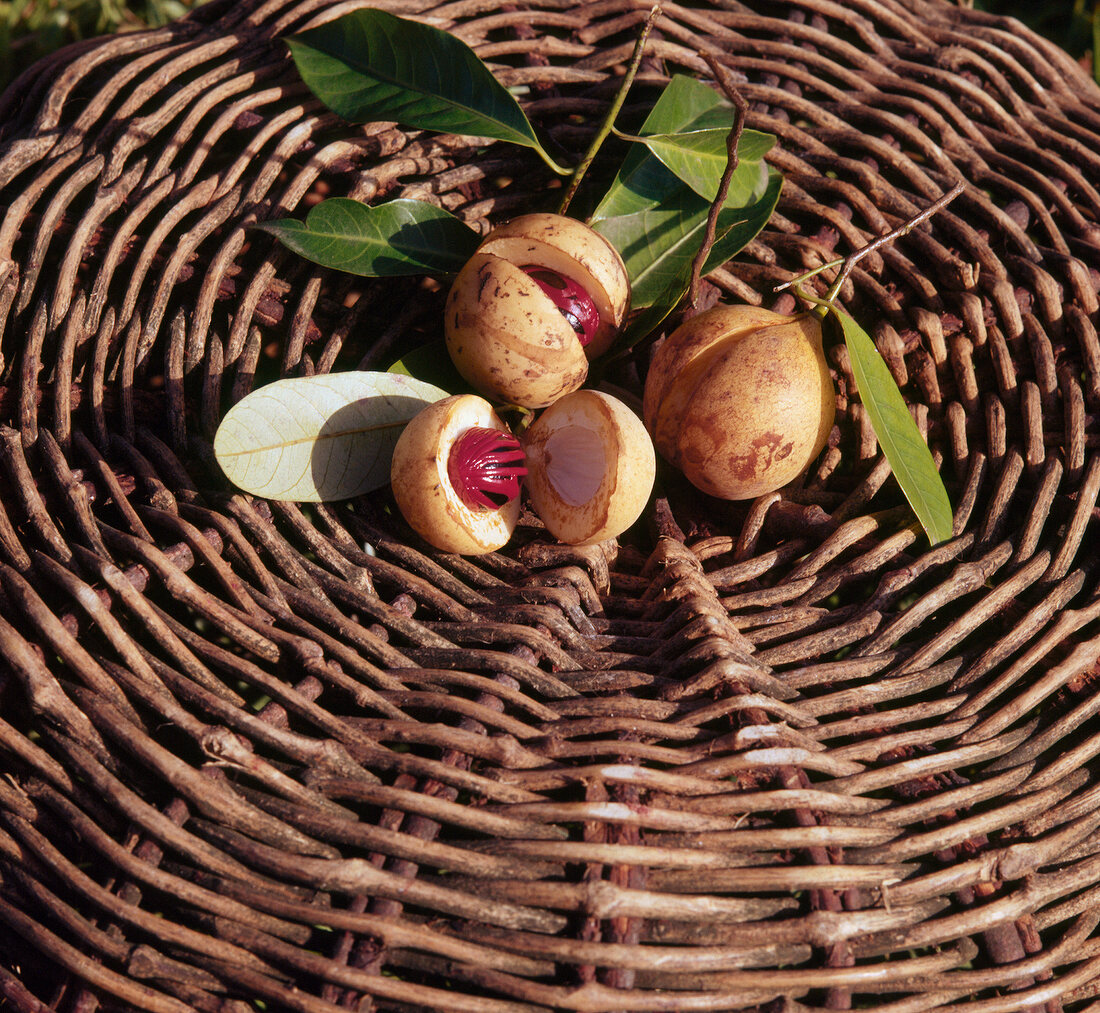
[{"x": 612, "y": 113}]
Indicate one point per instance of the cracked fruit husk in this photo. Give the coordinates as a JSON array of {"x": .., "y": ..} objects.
[
  {"x": 541, "y": 295},
  {"x": 590, "y": 467}
]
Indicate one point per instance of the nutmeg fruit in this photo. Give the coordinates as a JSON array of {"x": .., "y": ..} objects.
[
  {"x": 740, "y": 399},
  {"x": 541, "y": 295},
  {"x": 456, "y": 475},
  {"x": 590, "y": 467}
]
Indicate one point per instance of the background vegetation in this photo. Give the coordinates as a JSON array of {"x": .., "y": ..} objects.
[
  {"x": 30, "y": 29},
  {"x": 1073, "y": 24}
]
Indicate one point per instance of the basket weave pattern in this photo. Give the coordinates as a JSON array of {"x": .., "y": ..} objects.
[{"x": 771, "y": 755}]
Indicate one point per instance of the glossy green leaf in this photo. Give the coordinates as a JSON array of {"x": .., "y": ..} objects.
[
  {"x": 643, "y": 181},
  {"x": 642, "y": 324},
  {"x": 659, "y": 243},
  {"x": 698, "y": 158},
  {"x": 897, "y": 433},
  {"x": 400, "y": 237},
  {"x": 657, "y": 221},
  {"x": 318, "y": 438},
  {"x": 370, "y": 65}
]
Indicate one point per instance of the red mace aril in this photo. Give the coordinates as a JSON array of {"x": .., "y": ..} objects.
[
  {"x": 463, "y": 500},
  {"x": 485, "y": 467},
  {"x": 571, "y": 300}
]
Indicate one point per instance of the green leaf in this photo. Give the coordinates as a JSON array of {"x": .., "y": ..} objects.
[
  {"x": 698, "y": 158},
  {"x": 897, "y": 433},
  {"x": 644, "y": 323},
  {"x": 659, "y": 243},
  {"x": 657, "y": 221},
  {"x": 400, "y": 237},
  {"x": 318, "y": 438},
  {"x": 432, "y": 362},
  {"x": 370, "y": 65},
  {"x": 643, "y": 181}
]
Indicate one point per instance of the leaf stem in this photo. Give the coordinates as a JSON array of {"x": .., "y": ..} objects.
[
  {"x": 733, "y": 139},
  {"x": 545, "y": 156},
  {"x": 821, "y": 306},
  {"x": 846, "y": 264},
  {"x": 612, "y": 113}
]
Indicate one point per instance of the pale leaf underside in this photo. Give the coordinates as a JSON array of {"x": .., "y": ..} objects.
[{"x": 319, "y": 438}]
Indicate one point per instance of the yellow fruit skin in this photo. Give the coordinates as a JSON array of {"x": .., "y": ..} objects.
[
  {"x": 507, "y": 339},
  {"x": 740, "y": 399},
  {"x": 505, "y": 335},
  {"x": 604, "y": 449},
  {"x": 423, "y": 490},
  {"x": 575, "y": 251}
]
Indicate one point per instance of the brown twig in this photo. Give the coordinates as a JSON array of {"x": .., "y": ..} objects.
[
  {"x": 733, "y": 139},
  {"x": 613, "y": 112},
  {"x": 846, "y": 264}
]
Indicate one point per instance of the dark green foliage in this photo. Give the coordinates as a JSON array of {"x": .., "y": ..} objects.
[{"x": 31, "y": 29}]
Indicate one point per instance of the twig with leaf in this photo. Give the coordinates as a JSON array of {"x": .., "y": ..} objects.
[
  {"x": 905, "y": 449},
  {"x": 848, "y": 263}
]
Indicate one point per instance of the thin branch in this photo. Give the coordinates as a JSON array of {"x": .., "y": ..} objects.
[
  {"x": 733, "y": 139},
  {"x": 846, "y": 264},
  {"x": 796, "y": 282},
  {"x": 902, "y": 230},
  {"x": 612, "y": 113}
]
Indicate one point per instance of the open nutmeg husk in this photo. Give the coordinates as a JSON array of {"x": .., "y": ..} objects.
[{"x": 541, "y": 296}]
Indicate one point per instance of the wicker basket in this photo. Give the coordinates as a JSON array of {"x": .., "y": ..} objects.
[{"x": 777, "y": 755}]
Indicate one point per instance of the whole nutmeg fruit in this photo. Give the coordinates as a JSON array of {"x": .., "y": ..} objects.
[
  {"x": 740, "y": 399},
  {"x": 590, "y": 467},
  {"x": 456, "y": 475},
  {"x": 542, "y": 295}
]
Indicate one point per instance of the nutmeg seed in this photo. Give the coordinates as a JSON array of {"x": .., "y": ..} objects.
[
  {"x": 422, "y": 485},
  {"x": 591, "y": 467},
  {"x": 510, "y": 339},
  {"x": 740, "y": 399}
]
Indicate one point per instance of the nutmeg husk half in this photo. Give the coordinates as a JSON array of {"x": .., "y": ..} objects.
[
  {"x": 423, "y": 489},
  {"x": 590, "y": 467}
]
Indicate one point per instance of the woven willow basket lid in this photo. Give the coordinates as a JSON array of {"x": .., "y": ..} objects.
[{"x": 778, "y": 755}]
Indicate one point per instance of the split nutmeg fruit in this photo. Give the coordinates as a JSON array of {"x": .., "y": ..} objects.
[
  {"x": 541, "y": 296},
  {"x": 740, "y": 399},
  {"x": 586, "y": 462}
]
